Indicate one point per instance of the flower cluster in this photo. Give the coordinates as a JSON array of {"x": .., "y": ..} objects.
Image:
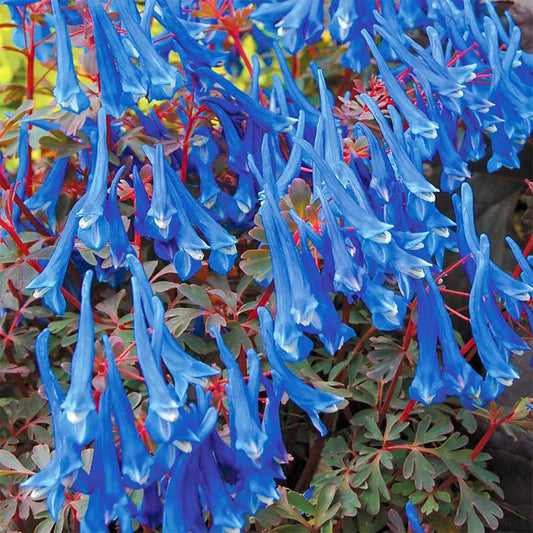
[{"x": 208, "y": 163}]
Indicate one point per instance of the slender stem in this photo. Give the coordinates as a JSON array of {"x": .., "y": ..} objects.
[{"x": 390, "y": 392}]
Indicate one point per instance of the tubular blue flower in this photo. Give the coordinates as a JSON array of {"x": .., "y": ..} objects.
[
  {"x": 327, "y": 323},
  {"x": 78, "y": 405},
  {"x": 163, "y": 78},
  {"x": 49, "y": 282},
  {"x": 293, "y": 90},
  {"x": 204, "y": 151},
  {"x": 66, "y": 461},
  {"x": 348, "y": 276},
  {"x": 366, "y": 224},
  {"x": 412, "y": 518},
  {"x": 48, "y": 193},
  {"x": 269, "y": 121},
  {"x": 191, "y": 52},
  {"x": 296, "y": 23},
  {"x": 119, "y": 244},
  {"x": 495, "y": 362},
  {"x": 246, "y": 432},
  {"x": 161, "y": 208},
  {"x": 108, "y": 500},
  {"x": 303, "y": 302},
  {"x": 136, "y": 462},
  {"x": 419, "y": 124},
  {"x": 68, "y": 93},
  {"x": 286, "y": 333},
  {"x": 404, "y": 169},
  {"x": 183, "y": 368},
  {"x": 456, "y": 372},
  {"x": 163, "y": 405},
  {"x": 311, "y": 400},
  {"x": 115, "y": 100},
  {"x": 427, "y": 386},
  {"x": 93, "y": 226}
]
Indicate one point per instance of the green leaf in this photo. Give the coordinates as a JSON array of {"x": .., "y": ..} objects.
[
  {"x": 427, "y": 433},
  {"x": 348, "y": 499},
  {"x": 300, "y": 502},
  {"x": 256, "y": 263},
  {"x": 377, "y": 488},
  {"x": 471, "y": 505},
  {"x": 454, "y": 454},
  {"x": 195, "y": 294},
  {"x": 13, "y": 465},
  {"x": 418, "y": 468},
  {"x": 430, "y": 505},
  {"x": 323, "y": 504}
]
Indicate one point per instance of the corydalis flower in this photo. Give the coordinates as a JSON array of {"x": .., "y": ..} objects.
[
  {"x": 311, "y": 400},
  {"x": 67, "y": 92},
  {"x": 242, "y": 401},
  {"x": 93, "y": 226},
  {"x": 48, "y": 284},
  {"x": 78, "y": 406}
]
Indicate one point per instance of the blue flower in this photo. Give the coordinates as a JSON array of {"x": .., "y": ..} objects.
[
  {"x": 68, "y": 93},
  {"x": 419, "y": 124},
  {"x": 108, "y": 500},
  {"x": 311, "y": 400},
  {"x": 163, "y": 78},
  {"x": 183, "y": 368},
  {"x": 246, "y": 433},
  {"x": 495, "y": 361},
  {"x": 119, "y": 243},
  {"x": 412, "y": 517},
  {"x": 48, "y": 283},
  {"x": 163, "y": 404},
  {"x": 66, "y": 461},
  {"x": 136, "y": 463},
  {"x": 78, "y": 406},
  {"x": 404, "y": 168},
  {"x": 427, "y": 386},
  {"x": 93, "y": 227},
  {"x": 48, "y": 193}
]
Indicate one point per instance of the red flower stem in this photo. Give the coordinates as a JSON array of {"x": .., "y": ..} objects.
[
  {"x": 527, "y": 249},
  {"x": 407, "y": 410},
  {"x": 388, "y": 398},
  {"x": 29, "y": 34},
  {"x": 444, "y": 273},
  {"x": 262, "y": 302}
]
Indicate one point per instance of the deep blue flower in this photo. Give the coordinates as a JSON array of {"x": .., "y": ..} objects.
[
  {"x": 48, "y": 283},
  {"x": 93, "y": 226},
  {"x": 419, "y": 124},
  {"x": 427, "y": 386},
  {"x": 108, "y": 500},
  {"x": 78, "y": 407},
  {"x": 163, "y": 404},
  {"x": 136, "y": 462},
  {"x": 412, "y": 517},
  {"x": 119, "y": 243},
  {"x": 246, "y": 432},
  {"x": 404, "y": 169},
  {"x": 311, "y": 400},
  {"x": 495, "y": 361},
  {"x": 48, "y": 193},
  {"x": 296, "y": 23},
  {"x": 66, "y": 461},
  {"x": 68, "y": 93},
  {"x": 183, "y": 367}
]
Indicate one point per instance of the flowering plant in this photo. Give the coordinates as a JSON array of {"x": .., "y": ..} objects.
[{"x": 236, "y": 289}]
